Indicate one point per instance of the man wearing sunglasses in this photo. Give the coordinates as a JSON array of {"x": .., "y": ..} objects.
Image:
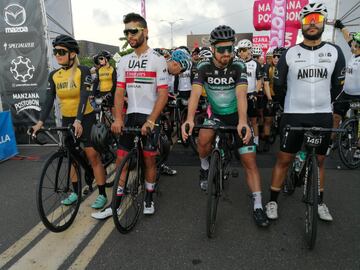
[
  {"x": 225, "y": 81},
  {"x": 143, "y": 75},
  {"x": 352, "y": 78},
  {"x": 254, "y": 73},
  {"x": 309, "y": 75}
]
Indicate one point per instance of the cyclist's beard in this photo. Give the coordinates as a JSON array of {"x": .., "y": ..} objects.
[
  {"x": 140, "y": 42},
  {"x": 313, "y": 37}
]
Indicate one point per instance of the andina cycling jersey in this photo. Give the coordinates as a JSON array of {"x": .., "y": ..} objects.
[
  {"x": 73, "y": 95},
  {"x": 141, "y": 77},
  {"x": 220, "y": 84},
  {"x": 313, "y": 76},
  {"x": 254, "y": 74},
  {"x": 105, "y": 80}
]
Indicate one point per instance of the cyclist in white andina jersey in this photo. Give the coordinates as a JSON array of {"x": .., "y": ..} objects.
[
  {"x": 143, "y": 75},
  {"x": 313, "y": 72}
]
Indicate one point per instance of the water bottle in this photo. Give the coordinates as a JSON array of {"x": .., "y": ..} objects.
[{"x": 299, "y": 160}]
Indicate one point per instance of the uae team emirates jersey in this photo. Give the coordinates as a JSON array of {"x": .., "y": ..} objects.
[{"x": 142, "y": 77}]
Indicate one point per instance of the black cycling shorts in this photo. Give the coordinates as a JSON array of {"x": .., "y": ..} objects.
[
  {"x": 150, "y": 142},
  {"x": 232, "y": 120},
  {"x": 342, "y": 107},
  {"x": 252, "y": 106},
  {"x": 295, "y": 139},
  {"x": 87, "y": 123}
]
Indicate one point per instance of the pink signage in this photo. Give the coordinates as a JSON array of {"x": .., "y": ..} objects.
[
  {"x": 262, "y": 42},
  {"x": 263, "y": 12},
  {"x": 277, "y": 32}
]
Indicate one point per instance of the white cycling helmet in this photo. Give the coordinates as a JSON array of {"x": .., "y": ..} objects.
[
  {"x": 244, "y": 43},
  {"x": 205, "y": 54},
  {"x": 256, "y": 51},
  {"x": 269, "y": 52},
  {"x": 313, "y": 8}
]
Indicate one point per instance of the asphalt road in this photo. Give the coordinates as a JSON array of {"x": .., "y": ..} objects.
[{"x": 175, "y": 237}]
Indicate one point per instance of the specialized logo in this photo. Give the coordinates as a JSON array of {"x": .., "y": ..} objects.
[
  {"x": 312, "y": 74},
  {"x": 15, "y": 15},
  {"x": 22, "y": 70}
]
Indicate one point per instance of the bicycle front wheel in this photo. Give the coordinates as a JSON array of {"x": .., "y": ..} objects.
[
  {"x": 54, "y": 188},
  {"x": 127, "y": 208},
  {"x": 311, "y": 196},
  {"x": 348, "y": 144},
  {"x": 213, "y": 193}
]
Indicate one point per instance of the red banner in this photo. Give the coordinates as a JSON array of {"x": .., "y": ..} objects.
[
  {"x": 262, "y": 42},
  {"x": 278, "y": 16}
]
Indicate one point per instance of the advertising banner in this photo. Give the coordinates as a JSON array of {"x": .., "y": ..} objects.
[
  {"x": 262, "y": 42},
  {"x": 277, "y": 31},
  {"x": 8, "y": 147},
  {"x": 263, "y": 9},
  {"x": 23, "y": 61}
]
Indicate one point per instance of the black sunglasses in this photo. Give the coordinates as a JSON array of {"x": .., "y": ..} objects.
[
  {"x": 60, "y": 52},
  {"x": 223, "y": 49},
  {"x": 276, "y": 56},
  {"x": 132, "y": 31},
  {"x": 243, "y": 49}
]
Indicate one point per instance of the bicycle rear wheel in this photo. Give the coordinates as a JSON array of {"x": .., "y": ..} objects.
[
  {"x": 311, "y": 196},
  {"x": 54, "y": 187},
  {"x": 213, "y": 193},
  {"x": 127, "y": 208},
  {"x": 348, "y": 147}
]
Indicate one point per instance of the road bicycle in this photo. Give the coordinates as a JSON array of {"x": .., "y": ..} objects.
[
  {"x": 55, "y": 183},
  {"x": 127, "y": 208},
  {"x": 349, "y": 143},
  {"x": 219, "y": 170},
  {"x": 308, "y": 176}
]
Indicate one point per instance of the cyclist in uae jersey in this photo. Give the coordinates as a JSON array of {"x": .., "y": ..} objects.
[
  {"x": 313, "y": 73},
  {"x": 71, "y": 85},
  {"x": 143, "y": 76},
  {"x": 225, "y": 83}
]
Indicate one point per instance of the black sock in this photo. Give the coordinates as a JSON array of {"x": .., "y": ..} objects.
[
  {"x": 321, "y": 199},
  {"x": 274, "y": 195},
  {"x": 102, "y": 190},
  {"x": 75, "y": 187}
]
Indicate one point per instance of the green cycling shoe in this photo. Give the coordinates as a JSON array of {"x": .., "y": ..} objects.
[
  {"x": 100, "y": 202},
  {"x": 70, "y": 200}
]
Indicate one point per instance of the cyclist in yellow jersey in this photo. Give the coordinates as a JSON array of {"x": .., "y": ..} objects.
[
  {"x": 71, "y": 84},
  {"x": 105, "y": 82}
]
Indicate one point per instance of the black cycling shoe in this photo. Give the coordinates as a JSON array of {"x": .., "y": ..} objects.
[
  {"x": 260, "y": 218},
  {"x": 167, "y": 170}
]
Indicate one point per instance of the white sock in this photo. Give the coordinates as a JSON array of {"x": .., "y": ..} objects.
[
  {"x": 149, "y": 186},
  {"x": 204, "y": 163},
  {"x": 257, "y": 200},
  {"x": 256, "y": 140},
  {"x": 119, "y": 191}
]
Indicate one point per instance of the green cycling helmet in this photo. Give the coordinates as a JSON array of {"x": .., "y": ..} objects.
[{"x": 356, "y": 37}]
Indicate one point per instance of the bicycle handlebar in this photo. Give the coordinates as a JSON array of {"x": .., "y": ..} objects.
[
  {"x": 69, "y": 129},
  {"x": 316, "y": 129}
]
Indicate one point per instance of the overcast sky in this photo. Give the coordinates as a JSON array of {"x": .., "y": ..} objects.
[{"x": 101, "y": 21}]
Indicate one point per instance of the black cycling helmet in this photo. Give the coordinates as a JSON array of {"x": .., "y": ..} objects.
[
  {"x": 105, "y": 54},
  {"x": 100, "y": 137},
  {"x": 279, "y": 51},
  {"x": 67, "y": 42},
  {"x": 96, "y": 60},
  {"x": 222, "y": 33}
]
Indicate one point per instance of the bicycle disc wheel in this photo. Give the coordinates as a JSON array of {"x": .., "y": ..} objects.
[
  {"x": 127, "y": 208},
  {"x": 348, "y": 146},
  {"x": 213, "y": 194},
  {"x": 54, "y": 187},
  {"x": 311, "y": 202}
]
